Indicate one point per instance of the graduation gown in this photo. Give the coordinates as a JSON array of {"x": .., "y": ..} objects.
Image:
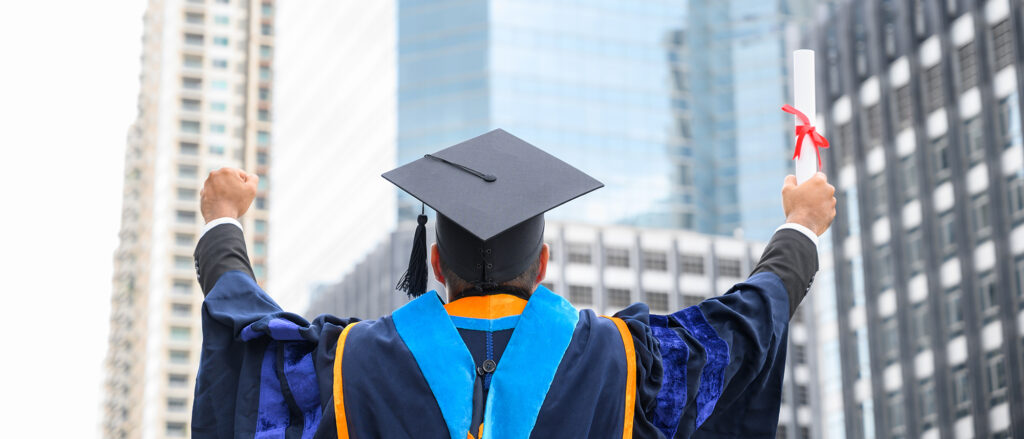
[{"x": 494, "y": 366}]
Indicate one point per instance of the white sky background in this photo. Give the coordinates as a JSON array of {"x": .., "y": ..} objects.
[{"x": 68, "y": 87}]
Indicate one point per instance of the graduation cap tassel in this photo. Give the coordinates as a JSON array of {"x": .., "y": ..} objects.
[{"x": 414, "y": 281}]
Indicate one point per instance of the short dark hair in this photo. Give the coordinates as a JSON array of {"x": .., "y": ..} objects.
[{"x": 522, "y": 285}]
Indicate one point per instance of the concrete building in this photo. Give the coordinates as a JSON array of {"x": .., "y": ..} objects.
[
  {"x": 607, "y": 268},
  {"x": 204, "y": 103},
  {"x": 921, "y": 100}
]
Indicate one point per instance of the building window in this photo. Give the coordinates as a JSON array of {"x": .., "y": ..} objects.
[
  {"x": 980, "y": 221},
  {"x": 799, "y": 353},
  {"x": 619, "y": 297},
  {"x": 728, "y": 267},
  {"x": 691, "y": 264},
  {"x": 914, "y": 254},
  {"x": 180, "y": 333},
  {"x": 995, "y": 378},
  {"x": 220, "y": 63},
  {"x": 265, "y": 73},
  {"x": 175, "y": 404},
  {"x": 1002, "y": 44},
  {"x": 267, "y": 9},
  {"x": 193, "y": 61},
  {"x": 260, "y": 226},
  {"x": 262, "y": 138},
  {"x": 266, "y": 52},
  {"x": 264, "y": 94},
  {"x": 802, "y": 395},
  {"x": 217, "y": 149},
  {"x": 954, "y": 312},
  {"x": 184, "y": 239},
  {"x": 178, "y": 356},
  {"x": 181, "y": 310},
  {"x": 926, "y": 403},
  {"x": 193, "y": 39},
  {"x": 259, "y": 270},
  {"x": 219, "y": 84},
  {"x": 220, "y": 41},
  {"x": 579, "y": 253},
  {"x": 968, "y": 64},
  {"x": 890, "y": 340},
  {"x": 217, "y": 128},
  {"x": 657, "y": 300},
  {"x": 844, "y": 135},
  {"x": 177, "y": 381},
  {"x": 880, "y": 191},
  {"x": 194, "y": 18},
  {"x": 873, "y": 114},
  {"x": 185, "y": 216},
  {"x": 974, "y": 139},
  {"x": 218, "y": 107},
  {"x": 190, "y": 126},
  {"x": 183, "y": 263},
  {"x": 581, "y": 294},
  {"x": 261, "y": 202},
  {"x": 181, "y": 286},
  {"x": 261, "y": 159},
  {"x": 188, "y": 148},
  {"x": 1009, "y": 121},
  {"x": 188, "y": 171},
  {"x": 191, "y": 83},
  {"x": 947, "y": 234},
  {"x": 961, "y": 391},
  {"x": 920, "y": 318},
  {"x": 1019, "y": 274},
  {"x": 689, "y": 300},
  {"x": 894, "y": 409},
  {"x": 933, "y": 88},
  {"x": 884, "y": 266},
  {"x": 1015, "y": 193},
  {"x": 616, "y": 257},
  {"x": 655, "y": 261},
  {"x": 259, "y": 248},
  {"x": 222, "y": 20},
  {"x": 941, "y": 163},
  {"x": 263, "y": 115},
  {"x": 176, "y": 429},
  {"x": 988, "y": 293},
  {"x": 904, "y": 107},
  {"x": 266, "y": 29},
  {"x": 190, "y": 104}
]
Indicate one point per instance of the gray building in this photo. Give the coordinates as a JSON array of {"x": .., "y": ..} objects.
[
  {"x": 607, "y": 268},
  {"x": 921, "y": 102}
]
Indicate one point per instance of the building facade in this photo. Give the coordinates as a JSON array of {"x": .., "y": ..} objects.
[
  {"x": 204, "y": 103},
  {"x": 607, "y": 268},
  {"x": 922, "y": 106}
]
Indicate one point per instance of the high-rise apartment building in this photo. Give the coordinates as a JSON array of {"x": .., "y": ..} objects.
[
  {"x": 921, "y": 101},
  {"x": 204, "y": 103}
]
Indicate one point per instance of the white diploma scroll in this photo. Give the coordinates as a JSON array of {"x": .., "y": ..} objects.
[{"x": 803, "y": 100}]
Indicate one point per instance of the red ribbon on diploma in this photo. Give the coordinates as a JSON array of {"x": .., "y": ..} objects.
[{"x": 806, "y": 129}]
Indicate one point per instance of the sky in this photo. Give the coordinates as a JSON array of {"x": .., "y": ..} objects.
[{"x": 68, "y": 86}]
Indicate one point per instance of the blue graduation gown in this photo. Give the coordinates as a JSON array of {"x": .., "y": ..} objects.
[{"x": 711, "y": 370}]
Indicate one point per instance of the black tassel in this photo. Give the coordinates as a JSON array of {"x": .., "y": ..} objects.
[{"x": 414, "y": 281}]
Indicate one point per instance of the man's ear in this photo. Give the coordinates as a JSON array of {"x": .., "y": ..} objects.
[
  {"x": 543, "y": 271},
  {"x": 435, "y": 263}
]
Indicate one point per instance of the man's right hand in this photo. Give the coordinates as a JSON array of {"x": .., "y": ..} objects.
[
  {"x": 228, "y": 192},
  {"x": 811, "y": 204}
]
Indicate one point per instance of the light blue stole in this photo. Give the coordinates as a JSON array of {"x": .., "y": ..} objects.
[{"x": 519, "y": 384}]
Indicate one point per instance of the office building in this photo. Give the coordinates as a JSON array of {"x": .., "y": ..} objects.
[
  {"x": 921, "y": 100},
  {"x": 674, "y": 105},
  {"x": 607, "y": 268},
  {"x": 204, "y": 103}
]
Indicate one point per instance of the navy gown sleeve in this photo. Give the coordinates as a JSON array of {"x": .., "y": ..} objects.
[
  {"x": 263, "y": 372},
  {"x": 715, "y": 370}
]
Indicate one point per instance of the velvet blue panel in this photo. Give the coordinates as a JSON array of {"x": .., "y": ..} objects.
[
  {"x": 272, "y": 418},
  {"x": 302, "y": 381},
  {"x": 712, "y": 378},
  {"x": 499, "y": 324},
  {"x": 671, "y": 397},
  {"x": 443, "y": 358},
  {"x": 527, "y": 367}
]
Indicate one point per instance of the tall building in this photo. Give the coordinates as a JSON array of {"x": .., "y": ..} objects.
[
  {"x": 921, "y": 100},
  {"x": 672, "y": 104},
  {"x": 606, "y": 268},
  {"x": 204, "y": 103}
]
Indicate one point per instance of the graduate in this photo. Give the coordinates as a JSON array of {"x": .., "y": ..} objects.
[{"x": 496, "y": 355}]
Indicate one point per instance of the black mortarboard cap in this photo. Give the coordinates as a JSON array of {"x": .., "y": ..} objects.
[{"x": 490, "y": 194}]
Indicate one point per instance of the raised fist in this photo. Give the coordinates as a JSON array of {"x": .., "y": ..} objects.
[
  {"x": 228, "y": 192},
  {"x": 812, "y": 204}
]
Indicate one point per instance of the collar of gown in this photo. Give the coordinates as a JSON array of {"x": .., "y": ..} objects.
[{"x": 493, "y": 306}]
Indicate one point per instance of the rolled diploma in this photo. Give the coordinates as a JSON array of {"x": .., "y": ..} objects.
[{"x": 803, "y": 100}]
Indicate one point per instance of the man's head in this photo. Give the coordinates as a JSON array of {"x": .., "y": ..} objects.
[{"x": 522, "y": 285}]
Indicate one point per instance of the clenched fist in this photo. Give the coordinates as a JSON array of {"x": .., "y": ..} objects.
[
  {"x": 228, "y": 192},
  {"x": 812, "y": 204}
]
